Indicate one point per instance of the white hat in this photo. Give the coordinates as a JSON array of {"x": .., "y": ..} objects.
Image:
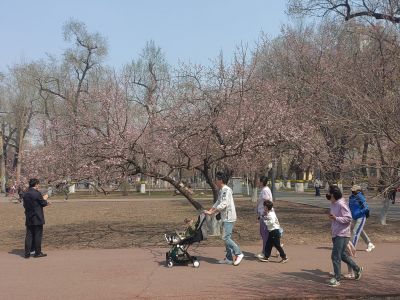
[{"x": 356, "y": 188}]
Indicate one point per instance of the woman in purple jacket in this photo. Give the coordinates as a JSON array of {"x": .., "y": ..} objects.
[{"x": 341, "y": 221}]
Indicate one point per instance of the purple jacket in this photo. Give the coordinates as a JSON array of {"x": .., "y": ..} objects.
[{"x": 341, "y": 226}]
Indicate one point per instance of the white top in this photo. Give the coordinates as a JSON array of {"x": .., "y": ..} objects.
[
  {"x": 265, "y": 194},
  {"x": 225, "y": 204},
  {"x": 317, "y": 183},
  {"x": 271, "y": 220}
]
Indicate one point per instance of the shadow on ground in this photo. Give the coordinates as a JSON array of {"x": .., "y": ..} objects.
[{"x": 18, "y": 252}]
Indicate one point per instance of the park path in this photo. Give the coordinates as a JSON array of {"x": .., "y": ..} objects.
[{"x": 140, "y": 273}]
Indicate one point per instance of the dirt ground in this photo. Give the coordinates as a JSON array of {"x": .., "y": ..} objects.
[{"x": 142, "y": 223}]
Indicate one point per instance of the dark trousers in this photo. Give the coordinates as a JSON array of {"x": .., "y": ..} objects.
[
  {"x": 33, "y": 236},
  {"x": 274, "y": 240},
  {"x": 339, "y": 253},
  {"x": 317, "y": 191}
]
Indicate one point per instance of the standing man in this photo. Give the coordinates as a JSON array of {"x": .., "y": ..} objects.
[
  {"x": 341, "y": 220},
  {"x": 265, "y": 195},
  {"x": 226, "y": 207},
  {"x": 33, "y": 204}
]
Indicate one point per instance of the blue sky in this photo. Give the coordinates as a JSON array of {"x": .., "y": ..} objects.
[{"x": 186, "y": 30}]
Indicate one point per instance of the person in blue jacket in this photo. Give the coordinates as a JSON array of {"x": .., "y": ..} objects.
[{"x": 359, "y": 212}]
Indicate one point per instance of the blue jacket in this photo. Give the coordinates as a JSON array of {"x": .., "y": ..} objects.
[{"x": 358, "y": 206}]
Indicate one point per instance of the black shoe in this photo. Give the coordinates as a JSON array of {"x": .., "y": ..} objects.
[
  {"x": 41, "y": 254},
  {"x": 27, "y": 255}
]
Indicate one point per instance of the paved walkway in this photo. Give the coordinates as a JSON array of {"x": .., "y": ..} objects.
[{"x": 140, "y": 273}]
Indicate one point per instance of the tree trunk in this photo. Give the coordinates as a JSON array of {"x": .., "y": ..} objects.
[
  {"x": 378, "y": 169},
  {"x": 2, "y": 165},
  {"x": 384, "y": 210},
  {"x": 125, "y": 187},
  {"x": 279, "y": 169},
  {"x": 247, "y": 185},
  {"x": 273, "y": 175},
  {"x": 213, "y": 225},
  {"x": 308, "y": 170},
  {"x": 364, "y": 168},
  {"x": 180, "y": 187},
  {"x": 19, "y": 155},
  {"x": 209, "y": 180},
  {"x": 254, "y": 194}
]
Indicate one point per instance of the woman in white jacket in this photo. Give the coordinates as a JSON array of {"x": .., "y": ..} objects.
[{"x": 226, "y": 207}]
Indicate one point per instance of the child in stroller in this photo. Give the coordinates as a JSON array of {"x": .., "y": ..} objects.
[
  {"x": 189, "y": 229},
  {"x": 181, "y": 241}
]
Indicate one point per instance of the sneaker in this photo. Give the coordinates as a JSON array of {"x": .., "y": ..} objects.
[
  {"x": 238, "y": 259},
  {"x": 370, "y": 247},
  {"x": 357, "y": 276},
  {"x": 333, "y": 282},
  {"x": 333, "y": 274},
  {"x": 284, "y": 260},
  {"x": 41, "y": 254},
  {"x": 349, "y": 276},
  {"x": 263, "y": 259},
  {"x": 260, "y": 255},
  {"x": 346, "y": 276},
  {"x": 32, "y": 252},
  {"x": 225, "y": 261}
]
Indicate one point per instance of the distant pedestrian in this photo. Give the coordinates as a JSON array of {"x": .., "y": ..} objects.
[
  {"x": 392, "y": 195},
  {"x": 317, "y": 186},
  {"x": 13, "y": 189},
  {"x": 226, "y": 207},
  {"x": 20, "y": 191},
  {"x": 341, "y": 221}
]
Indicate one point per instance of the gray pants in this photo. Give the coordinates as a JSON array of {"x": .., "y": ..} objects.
[
  {"x": 358, "y": 230},
  {"x": 365, "y": 237},
  {"x": 339, "y": 254}
]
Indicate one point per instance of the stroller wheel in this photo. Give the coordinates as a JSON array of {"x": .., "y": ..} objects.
[
  {"x": 170, "y": 263},
  {"x": 196, "y": 264}
]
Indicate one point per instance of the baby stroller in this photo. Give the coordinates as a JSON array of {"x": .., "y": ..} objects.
[{"x": 178, "y": 254}]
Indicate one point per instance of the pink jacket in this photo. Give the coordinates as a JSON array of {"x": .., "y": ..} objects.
[{"x": 341, "y": 226}]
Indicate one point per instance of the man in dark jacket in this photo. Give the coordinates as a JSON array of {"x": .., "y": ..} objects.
[{"x": 33, "y": 204}]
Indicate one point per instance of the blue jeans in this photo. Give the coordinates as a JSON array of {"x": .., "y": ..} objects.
[
  {"x": 339, "y": 253},
  {"x": 231, "y": 247}
]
